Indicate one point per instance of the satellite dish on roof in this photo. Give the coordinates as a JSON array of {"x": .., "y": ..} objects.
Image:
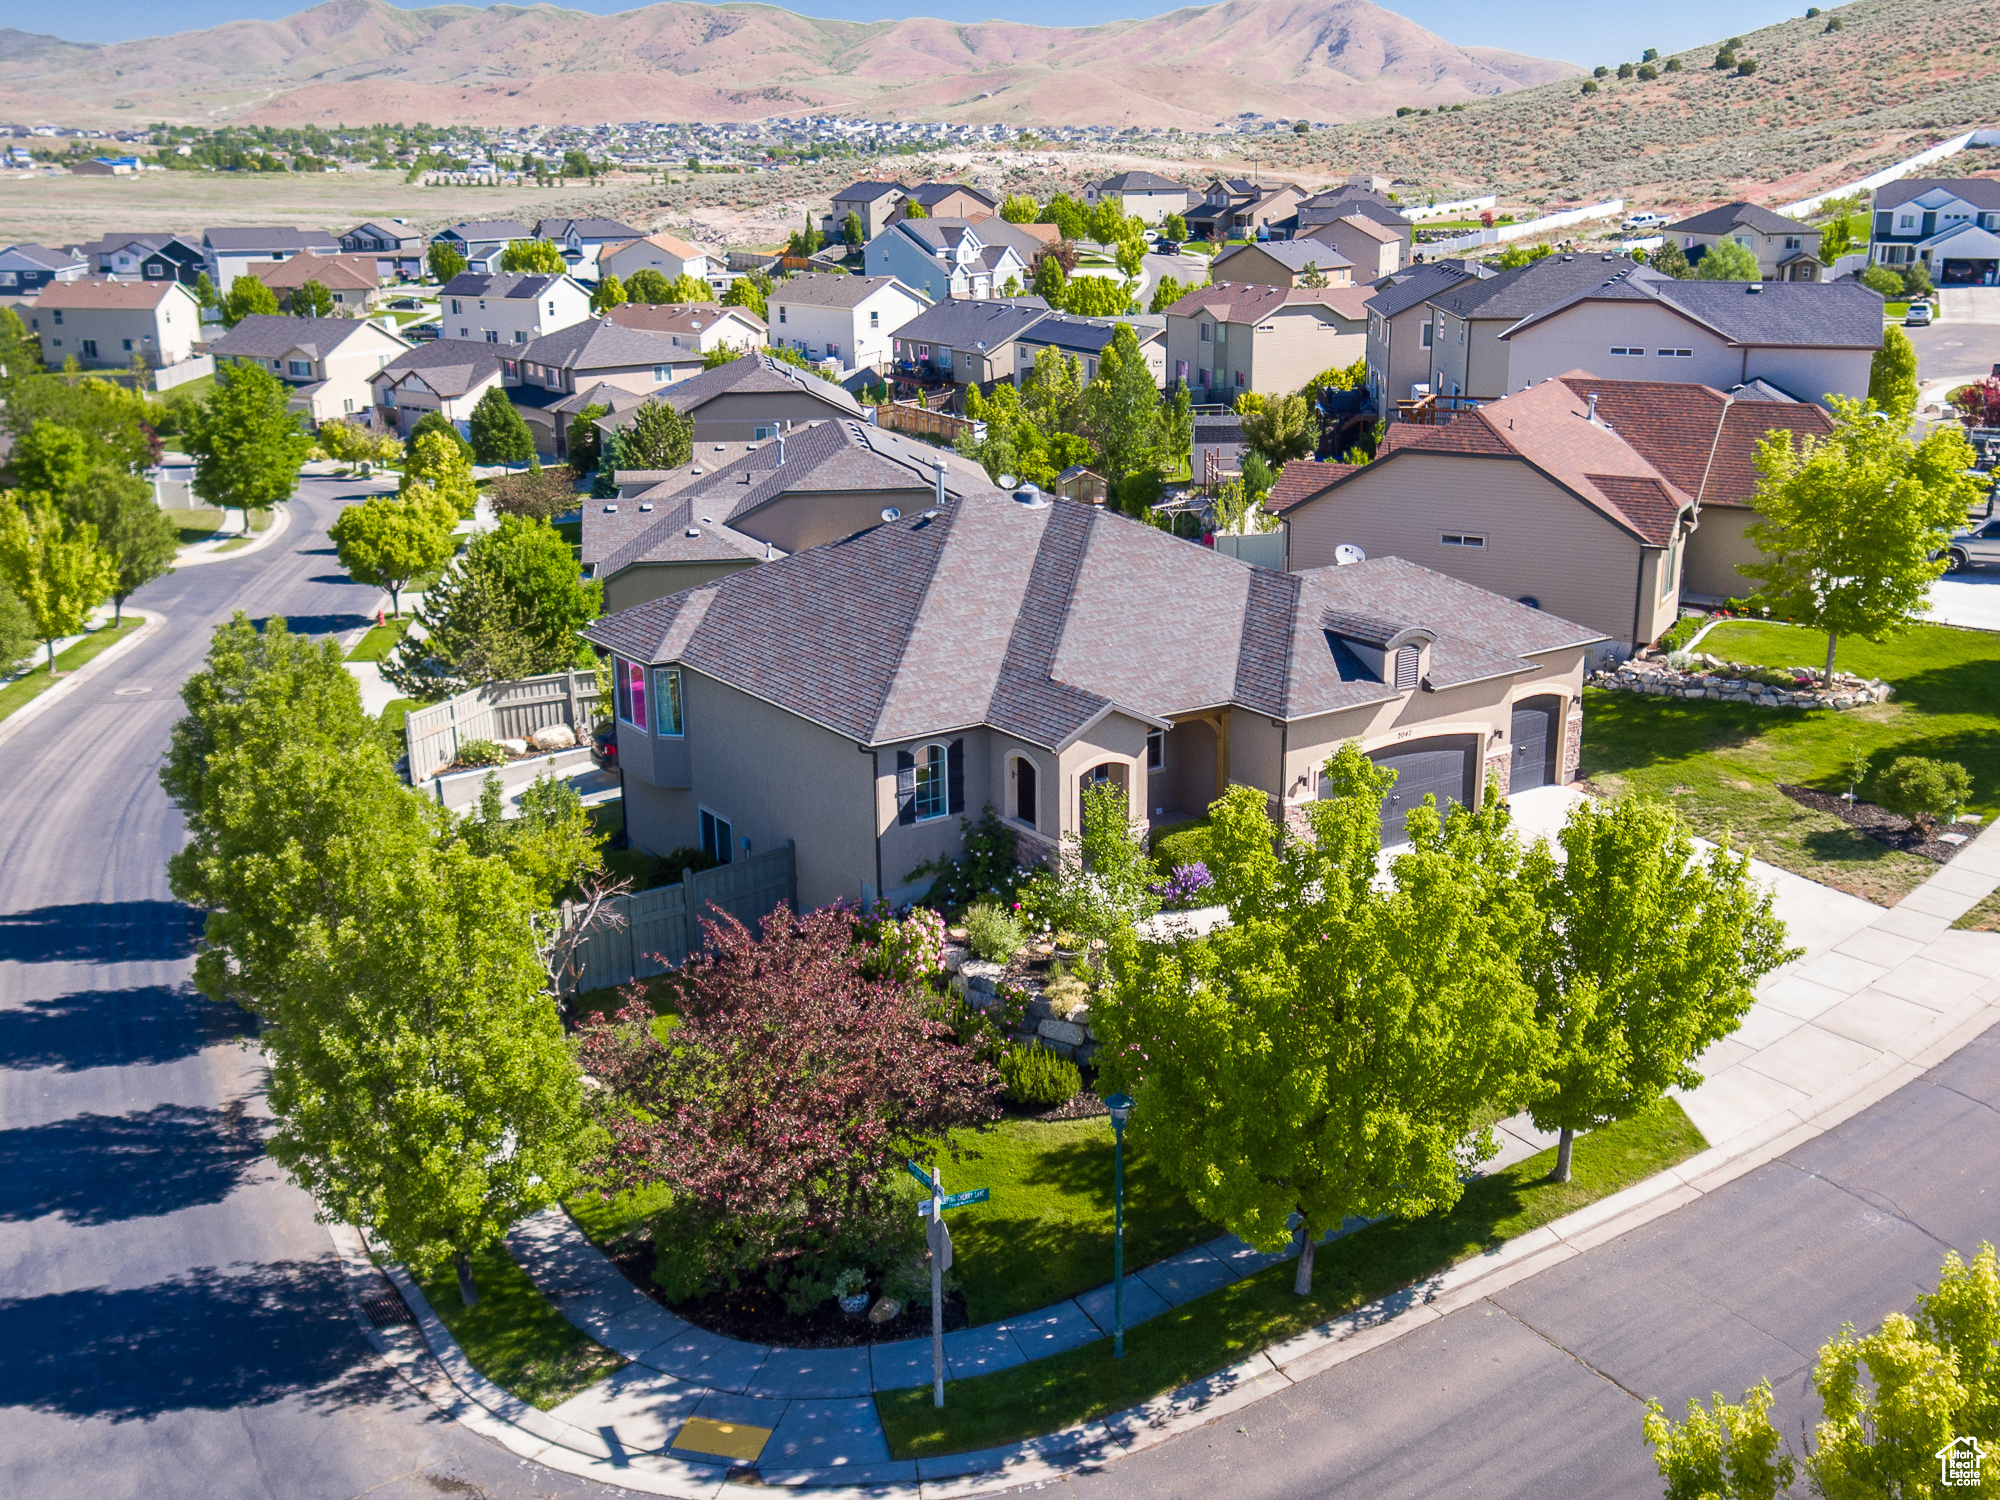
[
  {"x": 1347, "y": 553},
  {"x": 1006, "y": 481},
  {"x": 890, "y": 513}
]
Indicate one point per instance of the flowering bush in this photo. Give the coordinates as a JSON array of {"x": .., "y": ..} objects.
[
  {"x": 904, "y": 950},
  {"x": 1189, "y": 885},
  {"x": 1099, "y": 885}
]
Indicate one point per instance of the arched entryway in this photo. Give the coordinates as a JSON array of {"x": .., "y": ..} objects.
[{"x": 1536, "y": 734}]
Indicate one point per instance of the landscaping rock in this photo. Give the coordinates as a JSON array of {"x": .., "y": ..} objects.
[
  {"x": 553, "y": 737},
  {"x": 954, "y": 957},
  {"x": 980, "y": 977},
  {"x": 1039, "y": 1008},
  {"x": 884, "y": 1309},
  {"x": 513, "y": 747},
  {"x": 1082, "y": 1055},
  {"x": 1063, "y": 1033}
]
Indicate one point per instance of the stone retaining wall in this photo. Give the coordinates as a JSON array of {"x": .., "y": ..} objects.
[
  {"x": 979, "y": 981},
  {"x": 1729, "y": 682}
]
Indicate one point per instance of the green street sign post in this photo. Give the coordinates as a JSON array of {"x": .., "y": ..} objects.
[
  {"x": 938, "y": 1236},
  {"x": 1119, "y": 1105}
]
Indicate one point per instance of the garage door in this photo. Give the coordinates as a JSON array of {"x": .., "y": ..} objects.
[
  {"x": 1535, "y": 737},
  {"x": 1441, "y": 768}
]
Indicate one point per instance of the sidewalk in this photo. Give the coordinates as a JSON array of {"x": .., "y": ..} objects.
[
  {"x": 1879, "y": 997},
  {"x": 211, "y": 550}
]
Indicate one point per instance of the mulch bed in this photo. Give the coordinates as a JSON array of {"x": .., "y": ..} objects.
[
  {"x": 758, "y": 1315},
  {"x": 1083, "y": 1105},
  {"x": 1883, "y": 826}
]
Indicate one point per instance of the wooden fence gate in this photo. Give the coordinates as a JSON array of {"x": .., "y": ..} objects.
[{"x": 663, "y": 925}]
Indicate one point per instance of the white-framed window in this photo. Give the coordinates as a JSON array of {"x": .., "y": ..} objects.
[
  {"x": 833, "y": 351},
  {"x": 874, "y": 318},
  {"x": 347, "y": 404},
  {"x": 718, "y": 837},
  {"x": 1428, "y": 329},
  {"x": 492, "y": 335},
  {"x": 455, "y": 307},
  {"x": 667, "y": 702},
  {"x": 520, "y": 336},
  {"x": 933, "y": 795},
  {"x": 299, "y": 369},
  {"x": 762, "y": 434},
  {"x": 552, "y": 309},
  {"x": 629, "y": 679},
  {"x": 1791, "y": 242},
  {"x": 1907, "y": 221},
  {"x": 923, "y": 351},
  {"x": 1675, "y": 353},
  {"x": 1626, "y": 349},
  {"x": 58, "y": 312},
  {"x": 1462, "y": 539},
  {"x": 1156, "y": 749},
  {"x": 781, "y": 314},
  {"x": 661, "y": 373}
]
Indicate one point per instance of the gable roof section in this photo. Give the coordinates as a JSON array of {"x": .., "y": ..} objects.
[
  {"x": 1529, "y": 289},
  {"x": 1253, "y": 301},
  {"x": 829, "y": 289},
  {"x": 42, "y": 255},
  {"x": 1140, "y": 182},
  {"x": 680, "y": 317},
  {"x": 345, "y": 273},
  {"x": 487, "y": 231},
  {"x": 524, "y": 285},
  {"x": 450, "y": 367},
  {"x": 273, "y": 335},
  {"x": 590, "y": 229},
  {"x": 1738, "y": 215},
  {"x": 1419, "y": 285},
  {"x": 269, "y": 240},
  {"x": 968, "y": 322},
  {"x": 1762, "y": 314},
  {"x": 1299, "y": 481},
  {"x": 599, "y": 343},
  {"x": 1293, "y": 255},
  {"x": 673, "y": 244},
  {"x": 1089, "y": 335},
  {"x": 867, "y": 192},
  {"x": 928, "y": 193},
  {"x": 756, "y": 372},
  {"x": 1981, "y": 192}
]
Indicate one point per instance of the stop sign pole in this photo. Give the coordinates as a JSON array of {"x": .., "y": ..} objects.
[{"x": 938, "y": 1237}]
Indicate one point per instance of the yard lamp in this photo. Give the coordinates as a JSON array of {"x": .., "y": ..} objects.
[{"x": 1120, "y": 1106}]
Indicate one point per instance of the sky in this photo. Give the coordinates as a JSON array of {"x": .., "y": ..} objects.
[{"x": 1581, "y": 31}]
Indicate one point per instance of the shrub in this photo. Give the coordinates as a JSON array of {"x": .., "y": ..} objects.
[
  {"x": 1590, "y": 85},
  {"x": 1745, "y": 68},
  {"x": 994, "y": 931},
  {"x": 985, "y": 866},
  {"x": 1186, "y": 886},
  {"x": 1066, "y": 994},
  {"x": 1647, "y": 72},
  {"x": 1673, "y": 65},
  {"x": 1184, "y": 844},
  {"x": 908, "y": 950},
  {"x": 539, "y": 494},
  {"x": 1925, "y": 791},
  {"x": 1683, "y": 661},
  {"x": 687, "y": 857},
  {"x": 1917, "y": 279},
  {"x": 481, "y": 753},
  {"x": 1036, "y": 1076},
  {"x": 1882, "y": 279},
  {"x": 1682, "y": 631},
  {"x": 1834, "y": 24}
]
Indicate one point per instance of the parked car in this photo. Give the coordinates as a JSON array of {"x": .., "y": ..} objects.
[
  {"x": 1645, "y": 221},
  {"x": 423, "y": 331},
  {"x": 1167, "y": 247},
  {"x": 1919, "y": 315},
  {"x": 405, "y": 304},
  {"x": 1973, "y": 547}
]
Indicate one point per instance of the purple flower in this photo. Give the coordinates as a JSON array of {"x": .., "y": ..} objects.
[{"x": 1188, "y": 886}]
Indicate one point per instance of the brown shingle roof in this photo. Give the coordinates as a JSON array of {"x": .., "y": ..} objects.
[
  {"x": 1300, "y": 480},
  {"x": 337, "y": 273},
  {"x": 1249, "y": 301},
  {"x": 105, "y": 295}
]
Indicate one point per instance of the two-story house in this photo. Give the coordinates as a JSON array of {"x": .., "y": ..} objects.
[
  {"x": 483, "y": 241},
  {"x": 1402, "y": 327},
  {"x": 961, "y": 342},
  {"x": 1469, "y": 361},
  {"x": 352, "y": 281},
  {"x": 1325, "y": 216},
  {"x": 1951, "y": 225},
  {"x": 398, "y": 248},
  {"x": 1246, "y": 336},
  {"x": 329, "y": 363},
  {"x": 1373, "y": 248},
  {"x": 947, "y": 258},
  {"x": 1284, "y": 263},
  {"x": 871, "y": 203},
  {"x": 701, "y": 326},
  {"x": 146, "y": 257},
  {"x": 441, "y": 375},
  {"x": 583, "y": 241},
  {"x": 26, "y": 268},
  {"x": 231, "y": 252},
  {"x": 1234, "y": 208},
  {"x": 108, "y": 324},
  {"x": 589, "y": 357},
  {"x": 1085, "y": 340},
  {"x": 953, "y": 200},
  {"x": 848, "y": 319},
  {"x": 748, "y": 400},
  {"x": 509, "y": 307},
  {"x": 668, "y": 254},
  {"x": 1141, "y": 195},
  {"x": 1786, "y": 249}
]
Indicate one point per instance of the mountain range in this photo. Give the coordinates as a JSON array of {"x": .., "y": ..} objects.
[{"x": 364, "y": 62}]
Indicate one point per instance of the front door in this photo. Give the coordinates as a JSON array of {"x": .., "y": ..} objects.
[{"x": 1535, "y": 737}]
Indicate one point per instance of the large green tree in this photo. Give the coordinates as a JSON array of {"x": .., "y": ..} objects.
[
  {"x": 52, "y": 460},
  {"x": 385, "y": 542},
  {"x": 1121, "y": 409},
  {"x": 650, "y": 286},
  {"x": 661, "y": 437},
  {"x": 1331, "y": 1051},
  {"x": 1097, "y": 296},
  {"x": 246, "y": 441},
  {"x": 312, "y": 300},
  {"x": 59, "y": 573},
  {"x": 1892, "y": 374},
  {"x": 1641, "y": 956},
  {"x": 17, "y": 631},
  {"x": 1728, "y": 261},
  {"x": 751, "y": 292},
  {"x": 444, "y": 261},
  {"x": 444, "y": 427},
  {"x": 610, "y": 293},
  {"x": 139, "y": 538},
  {"x": 1849, "y": 524},
  {"x": 247, "y": 296},
  {"x": 20, "y": 351},
  {"x": 499, "y": 436},
  {"x": 116, "y": 425},
  {"x": 1282, "y": 429},
  {"x": 444, "y": 468},
  {"x": 540, "y": 257},
  {"x": 585, "y": 441}
]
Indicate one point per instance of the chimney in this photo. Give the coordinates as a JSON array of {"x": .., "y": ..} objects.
[
  {"x": 1591, "y": 415},
  {"x": 938, "y": 474}
]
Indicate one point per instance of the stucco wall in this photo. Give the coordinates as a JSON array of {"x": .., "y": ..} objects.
[
  {"x": 1299, "y": 346},
  {"x": 1717, "y": 546},
  {"x": 637, "y": 584}
]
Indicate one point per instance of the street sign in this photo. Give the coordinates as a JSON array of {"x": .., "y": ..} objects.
[
  {"x": 959, "y": 1200},
  {"x": 920, "y": 1174},
  {"x": 938, "y": 1234}
]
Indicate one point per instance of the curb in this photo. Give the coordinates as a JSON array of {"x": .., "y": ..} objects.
[
  {"x": 84, "y": 673},
  {"x": 258, "y": 543}
]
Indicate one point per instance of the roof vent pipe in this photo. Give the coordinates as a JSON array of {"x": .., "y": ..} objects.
[
  {"x": 1591, "y": 400},
  {"x": 1031, "y": 498},
  {"x": 937, "y": 473},
  {"x": 781, "y": 450}
]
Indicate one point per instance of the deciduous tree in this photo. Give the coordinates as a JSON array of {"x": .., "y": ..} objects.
[
  {"x": 444, "y": 261},
  {"x": 1018, "y": 208},
  {"x": 685, "y": 288},
  {"x": 1282, "y": 430},
  {"x": 1728, "y": 261},
  {"x": 443, "y": 466},
  {"x": 1892, "y": 375},
  {"x": 52, "y": 460},
  {"x": 248, "y": 296},
  {"x": 385, "y": 542},
  {"x": 246, "y": 442},
  {"x": 585, "y": 440},
  {"x": 661, "y": 437},
  {"x": 649, "y": 286},
  {"x": 436, "y": 421},
  {"x": 1097, "y": 296},
  {"x": 312, "y": 300},
  {"x": 499, "y": 436},
  {"x": 137, "y": 536},
  {"x": 1121, "y": 409},
  {"x": 59, "y": 578},
  {"x": 17, "y": 631},
  {"x": 850, "y": 228},
  {"x": 1050, "y": 280},
  {"x": 538, "y": 257},
  {"x": 750, "y": 292},
  {"x": 610, "y": 293}
]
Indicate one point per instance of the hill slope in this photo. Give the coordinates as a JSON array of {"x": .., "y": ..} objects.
[{"x": 364, "y": 61}]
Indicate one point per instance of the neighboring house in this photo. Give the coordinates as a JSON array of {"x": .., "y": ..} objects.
[
  {"x": 942, "y": 257},
  {"x": 952, "y": 200},
  {"x": 328, "y": 362},
  {"x": 733, "y": 506},
  {"x": 1243, "y": 336},
  {"x": 352, "y": 280},
  {"x": 1234, "y": 208},
  {"x": 1144, "y": 195},
  {"x": 398, "y": 249},
  {"x": 1952, "y": 226},
  {"x": 441, "y": 375},
  {"x": 583, "y": 241},
  {"x": 668, "y": 254},
  {"x": 509, "y": 307},
  {"x": 1218, "y": 448},
  {"x": 1086, "y": 339},
  {"x": 1355, "y": 201},
  {"x": 848, "y": 319},
  {"x": 1468, "y": 359},
  {"x": 108, "y": 324},
  {"x": 1401, "y": 326},
  {"x": 231, "y": 252},
  {"x": 962, "y": 342},
  {"x": 146, "y": 257},
  {"x": 1806, "y": 338},
  {"x": 483, "y": 241},
  {"x": 25, "y": 269},
  {"x": 1286, "y": 263},
  {"x": 590, "y": 356},
  {"x": 871, "y": 202},
  {"x": 1373, "y": 248},
  {"x": 694, "y": 325},
  {"x": 748, "y": 400},
  {"x": 1786, "y": 249},
  {"x": 1536, "y": 497},
  {"x": 995, "y": 652}
]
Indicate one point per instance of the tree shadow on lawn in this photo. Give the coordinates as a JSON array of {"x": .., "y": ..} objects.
[
  {"x": 153, "y": 1023},
  {"x": 1966, "y": 687},
  {"x": 1629, "y": 732},
  {"x": 100, "y": 1169}
]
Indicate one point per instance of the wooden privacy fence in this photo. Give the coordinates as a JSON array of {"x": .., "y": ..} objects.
[
  {"x": 498, "y": 711},
  {"x": 920, "y": 421},
  {"x": 663, "y": 925}
]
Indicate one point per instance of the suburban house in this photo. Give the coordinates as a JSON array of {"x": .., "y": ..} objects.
[
  {"x": 748, "y": 400},
  {"x": 734, "y": 505},
  {"x": 583, "y": 241},
  {"x": 870, "y": 202},
  {"x": 1468, "y": 359},
  {"x": 1806, "y": 338},
  {"x": 1535, "y": 496},
  {"x": 953, "y": 200},
  {"x": 509, "y": 307},
  {"x": 1286, "y": 263},
  {"x": 587, "y": 357},
  {"x": 1245, "y": 336},
  {"x": 700, "y": 326},
  {"x": 942, "y": 258},
  {"x": 1234, "y": 208},
  {"x": 106, "y": 325},
  {"x": 1952, "y": 226},
  {"x": 398, "y": 249},
  {"x": 441, "y": 375},
  {"x": 1010, "y": 651},
  {"x": 962, "y": 342},
  {"x": 231, "y": 252},
  {"x": 352, "y": 280},
  {"x": 1373, "y": 248},
  {"x": 146, "y": 257},
  {"x": 1786, "y": 250},
  {"x": 1355, "y": 200},
  {"x": 328, "y": 362},
  {"x": 1142, "y": 195},
  {"x": 1085, "y": 340},
  {"x": 25, "y": 269},
  {"x": 847, "y": 319},
  {"x": 483, "y": 241},
  {"x": 1401, "y": 323},
  {"x": 668, "y": 254}
]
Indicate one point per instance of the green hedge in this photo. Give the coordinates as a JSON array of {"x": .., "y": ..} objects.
[{"x": 1184, "y": 844}]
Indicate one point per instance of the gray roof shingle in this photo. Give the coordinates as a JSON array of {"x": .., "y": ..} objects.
[
  {"x": 1734, "y": 215},
  {"x": 451, "y": 367},
  {"x": 273, "y": 335},
  {"x": 281, "y": 237},
  {"x": 967, "y": 322}
]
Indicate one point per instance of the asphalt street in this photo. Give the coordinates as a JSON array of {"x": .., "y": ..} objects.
[{"x": 171, "y": 1324}]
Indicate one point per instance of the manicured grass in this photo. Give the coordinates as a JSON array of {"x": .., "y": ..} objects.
[
  {"x": 201, "y": 523},
  {"x": 1985, "y": 917},
  {"x": 36, "y": 680},
  {"x": 1720, "y": 763},
  {"x": 515, "y": 1337},
  {"x": 1225, "y": 1326},
  {"x": 379, "y": 642},
  {"x": 394, "y": 712},
  {"x": 1895, "y": 309},
  {"x": 608, "y": 1222}
]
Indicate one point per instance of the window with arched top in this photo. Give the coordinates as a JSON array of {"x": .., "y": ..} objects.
[
  {"x": 1027, "y": 794},
  {"x": 930, "y": 782}
]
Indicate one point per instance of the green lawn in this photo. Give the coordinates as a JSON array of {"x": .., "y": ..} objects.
[
  {"x": 379, "y": 642},
  {"x": 1985, "y": 917},
  {"x": 37, "y": 681},
  {"x": 606, "y": 1223},
  {"x": 394, "y": 712},
  {"x": 1225, "y": 1326},
  {"x": 1895, "y": 309},
  {"x": 1720, "y": 762},
  {"x": 201, "y": 523},
  {"x": 515, "y": 1337}
]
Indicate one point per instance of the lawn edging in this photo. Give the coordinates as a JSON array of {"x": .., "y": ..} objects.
[{"x": 65, "y": 685}]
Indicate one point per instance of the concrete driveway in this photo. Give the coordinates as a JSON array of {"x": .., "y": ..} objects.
[{"x": 1971, "y": 599}]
